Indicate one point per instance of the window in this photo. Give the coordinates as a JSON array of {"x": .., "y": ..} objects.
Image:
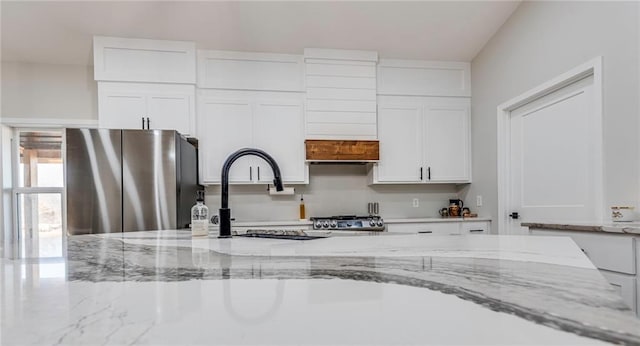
[{"x": 38, "y": 194}]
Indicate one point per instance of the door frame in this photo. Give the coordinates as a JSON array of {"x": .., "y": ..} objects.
[
  {"x": 16, "y": 190},
  {"x": 593, "y": 68}
]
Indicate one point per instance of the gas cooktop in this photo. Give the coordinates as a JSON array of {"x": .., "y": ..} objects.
[{"x": 349, "y": 222}]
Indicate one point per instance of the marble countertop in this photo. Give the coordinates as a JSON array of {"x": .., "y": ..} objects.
[
  {"x": 169, "y": 288},
  {"x": 606, "y": 227}
]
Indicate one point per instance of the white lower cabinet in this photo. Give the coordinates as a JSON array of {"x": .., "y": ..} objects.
[
  {"x": 615, "y": 255},
  {"x": 147, "y": 106},
  {"x": 441, "y": 228},
  {"x": 625, "y": 285},
  {"x": 423, "y": 140},
  {"x": 228, "y": 122},
  {"x": 610, "y": 252}
]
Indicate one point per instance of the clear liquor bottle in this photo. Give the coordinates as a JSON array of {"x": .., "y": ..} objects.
[{"x": 199, "y": 217}]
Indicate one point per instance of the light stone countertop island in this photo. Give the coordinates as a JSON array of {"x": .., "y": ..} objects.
[{"x": 166, "y": 287}]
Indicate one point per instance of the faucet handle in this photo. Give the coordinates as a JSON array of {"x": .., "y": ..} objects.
[{"x": 216, "y": 220}]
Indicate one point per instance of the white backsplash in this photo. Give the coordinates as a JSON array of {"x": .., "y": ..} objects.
[{"x": 333, "y": 190}]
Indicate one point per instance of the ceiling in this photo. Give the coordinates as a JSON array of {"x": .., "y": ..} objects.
[{"x": 61, "y": 32}]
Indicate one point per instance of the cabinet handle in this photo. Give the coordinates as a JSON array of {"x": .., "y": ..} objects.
[
  {"x": 258, "y": 173},
  {"x": 148, "y": 128},
  {"x": 142, "y": 122},
  {"x": 420, "y": 173},
  {"x": 429, "y": 173},
  {"x": 425, "y": 232},
  {"x": 476, "y": 230},
  {"x": 250, "y": 173}
]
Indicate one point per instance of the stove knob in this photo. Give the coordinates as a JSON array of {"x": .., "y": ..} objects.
[
  {"x": 380, "y": 223},
  {"x": 334, "y": 224},
  {"x": 325, "y": 224},
  {"x": 317, "y": 224},
  {"x": 372, "y": 223}
]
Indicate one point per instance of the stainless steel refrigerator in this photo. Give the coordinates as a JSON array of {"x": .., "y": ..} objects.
[{"x": 129, "y": 180}]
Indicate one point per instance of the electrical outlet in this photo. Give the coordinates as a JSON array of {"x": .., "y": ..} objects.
[
  {"x": 416, "y": 202},
  {"x": 478, "y": 201}
]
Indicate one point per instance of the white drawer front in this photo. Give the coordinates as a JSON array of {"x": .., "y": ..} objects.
[
  {"x": 474, "y": 227},
  {"x": 450, "y": 228},
  {"x": 606, "y": 251}
]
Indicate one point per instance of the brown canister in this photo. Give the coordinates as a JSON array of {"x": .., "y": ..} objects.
[{"x": 454, "y": 210}]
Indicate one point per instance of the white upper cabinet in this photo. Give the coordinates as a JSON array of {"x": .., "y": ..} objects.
[
  {"x": 447, "y": 140},
  {"x": 147, "y": 106},
  {"x": 423, "y": 140},
  {"x": 141, "y": 60},
  {"x": 341, "y": 94},
  {"x": 400, "y": 135},
  {"x": 250, "y": 71},
  {"x": 224, "y": 126},
  {"x": 424, "y": 78},
  {"x": 279, "y": 131},
  {"x": 271, "y": 121},
  {"x": 119, "y": 109}
]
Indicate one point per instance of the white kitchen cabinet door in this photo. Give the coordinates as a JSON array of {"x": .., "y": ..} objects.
[
  {"x": 165, "y": 113},
  {"x": 279, "y": 130},
  {"x": 446, "y": 140},
  {"x": 624, "y": 285},
  {"x": 400, "y": 135},
  {"x": 224, "y": 127},
  {"x": 121, "y": 110},
  {"x": 173, "y": 110},
  {"x": 143, "y": 60}
]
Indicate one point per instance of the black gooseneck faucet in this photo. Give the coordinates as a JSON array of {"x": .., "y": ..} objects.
[{"x": 225, "y": 212}]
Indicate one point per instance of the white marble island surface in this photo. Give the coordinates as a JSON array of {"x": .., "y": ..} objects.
[{"x": 167, "y": 288}]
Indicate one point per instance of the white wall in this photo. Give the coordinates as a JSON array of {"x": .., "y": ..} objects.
[
  {"x": 333, "y": 190},
  {"x": 540, "y": 41},
  {"x": 48, "y": 91}
]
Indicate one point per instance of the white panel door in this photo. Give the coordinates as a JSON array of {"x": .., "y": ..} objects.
[
  {"x": 224, "y": 127},
  {"x": 121, "y": 110},
  {"x": 446, "y": 142},
  {"x": 279, "y": 130},
  {"x": 552, "y": 168},
  {"x": 400, "y": 135},
  {"x": 170, "y": 112}
]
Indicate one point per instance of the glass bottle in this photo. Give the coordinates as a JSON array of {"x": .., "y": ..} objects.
[
  {"x": 302, "y": 215},
  {"x": 199, "y": 216}
]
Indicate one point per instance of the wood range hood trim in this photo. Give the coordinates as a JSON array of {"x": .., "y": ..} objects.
[{"x": 342, "y": 151}]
